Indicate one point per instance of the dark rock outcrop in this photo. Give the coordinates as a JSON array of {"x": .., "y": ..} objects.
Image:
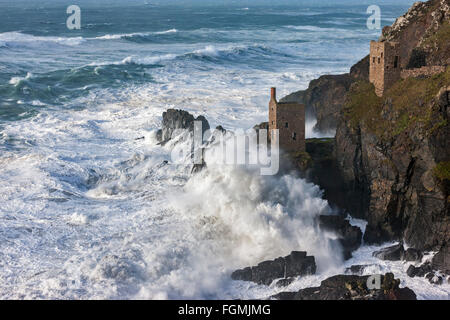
[
  {"x": 174, "y": 119},
  {"x": 284, "y": 282},
  {"x": 434, "y": 278},
  {"x": 294, "y": 265},
  {"x": 422, "y": 33},
  {"x": 392, "y": 173},
  {"x": 323, "y": 99},
  {"x": 411, "y": 272},
  {"x": 351, "y": 287},
  {"x": 441, "y": 261},
  {"x": 420, "y": 271},
  {"x": 349, "y": 236},
  {"x": 357, "y": 269},
  {"x": 325, "y": 96},
  {"x": 412, "y": 255},
  {"x": 394, "y": 253}
]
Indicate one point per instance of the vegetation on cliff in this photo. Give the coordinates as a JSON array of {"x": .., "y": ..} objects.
[
  {"x": 407, "y": 104},
  {"x": 442, "y": 171}
]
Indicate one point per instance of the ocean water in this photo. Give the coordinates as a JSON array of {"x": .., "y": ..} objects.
[{"x": 89, "y": 211}]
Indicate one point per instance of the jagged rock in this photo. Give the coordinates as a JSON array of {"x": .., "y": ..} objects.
[
  {"x": 196, "y": 168},
  {"x": 434, "y": 278},
  {"x": 174, "y": 119},
  {"x": 391, "y": 177},
  {"x": 419, "y": 29},
  {"x": 294, "y": 265},
  {"x": 349, "y": 236},
  {"x": 262, "y": 126},
  {"x": 357, "y": 269},
  {"x": 423, "y": 270},
  {"x": 351, "y": 287},
  {"x": 221, "y": 129},
  {"x": 323, "y": 99},
  {"x": 284, "y": 282},
  {"x": 394, "y": 253},
  {"x": 441, "y": 261},
  {"x": 412, "y": 255},
  {"x": 411, "y": 272}
]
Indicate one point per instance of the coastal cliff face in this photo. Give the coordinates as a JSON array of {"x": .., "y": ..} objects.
[
  {"x": 393, "y": 151},
  {"x": 325, "y": 96},
  {"x": 422, "y": 33},
  {"x": 394, "y": 156}
]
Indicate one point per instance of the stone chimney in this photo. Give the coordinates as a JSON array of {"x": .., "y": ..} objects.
[{"x": 273, "y": 93}]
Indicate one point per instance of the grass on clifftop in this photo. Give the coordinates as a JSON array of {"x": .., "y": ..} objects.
[
  {"x": 405, "y": 105},
  {"x": 442, "y": 171}
]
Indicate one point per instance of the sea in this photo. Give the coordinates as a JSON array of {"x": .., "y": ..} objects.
[{"x": 91, "y": 207}]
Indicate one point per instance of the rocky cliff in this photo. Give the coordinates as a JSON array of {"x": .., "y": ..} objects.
[
  {"x": 325, "y": 96},
  {"x": 423, "y": 34},
  {"x": 393, "y": 151},
  {"x": 394, "y": 154}
]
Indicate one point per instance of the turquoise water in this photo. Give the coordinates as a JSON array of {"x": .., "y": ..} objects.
[{"x": 64, "y": 65}]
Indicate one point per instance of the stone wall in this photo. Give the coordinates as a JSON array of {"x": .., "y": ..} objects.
[{"x": 423, "y": 71}]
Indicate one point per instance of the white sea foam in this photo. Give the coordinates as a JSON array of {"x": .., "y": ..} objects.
[
  {"x": 129, "y": 35},
  {"x": 92, "y": 208},
  {"x": 16, "y": 80},
  {"x": 17, "y": 39}
]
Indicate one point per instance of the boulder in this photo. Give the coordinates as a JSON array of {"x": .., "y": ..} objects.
[
  {"x": 284, "y": 282},
  {"x": 434, "y": 278},
  {"x": 349, "y": 236},
  {"x": 174, "y": 119},
  {"x": 357, "y": 269},
  {"x": 294, "y": 265},
  {"x": 412, "y": 255},
  {"x": 411, "y": 272},
  {"x": 394, "y": 253},
  {"x": 351, "y": 287},
  {"x": 423, "y": 270}
]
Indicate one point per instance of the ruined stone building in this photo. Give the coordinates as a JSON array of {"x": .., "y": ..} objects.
[
  {"x": 384, "y": 65},
  {"x": 289, "y": 119}
]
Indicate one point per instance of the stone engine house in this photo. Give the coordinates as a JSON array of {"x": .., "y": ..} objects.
[
  {"x": 384, "y": 65},
  {"x": 289, "y": 119}
]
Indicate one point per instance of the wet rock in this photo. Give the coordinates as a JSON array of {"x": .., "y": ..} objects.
[
  {"x": 394, "y": 253},
  {"x": 323, "y": 99},
  {"x": 412, "y": 255},
  {"x": 174, "y": 119},
  {"x": 284, "y": 282},
  {"x": 351, "y": 287},
  {"x": 441, "y": 261},
  {"x": 294, "y": 265},
  {"x": 349, "y": 236},
  {"x": 423, "y": 270},
  {"x": 433, "y": 278},
  {"x": 411, "y": 272},
  {"x": 357, "y": 269},
  {"x": 221, "y": 129}
]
